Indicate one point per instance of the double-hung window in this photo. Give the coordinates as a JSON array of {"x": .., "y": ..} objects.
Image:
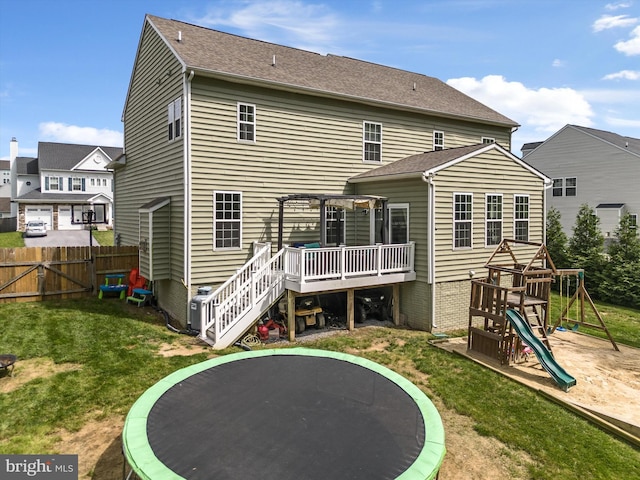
[
  {"x": 438, "y": 140},
  {"x": 246, "y": 122},
  {"x": 493, "y": 219},
  {"x": 462, "y": 220},
  {"x": 521, "y": 217},
  {"x": 372, "y": 142},
  {"x": 174, "y": 119},
  {"x": 53, "y": 183},
  {"x": 558, "y": 187},
  {"x": 227, "y": 220},
  {"x": 77, "y": 184}
]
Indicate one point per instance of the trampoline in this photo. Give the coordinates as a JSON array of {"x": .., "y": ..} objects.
[{"x": 284, "y": 414}]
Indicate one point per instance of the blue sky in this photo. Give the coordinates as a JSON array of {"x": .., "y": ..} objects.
[{"x": 65, "y": 64}]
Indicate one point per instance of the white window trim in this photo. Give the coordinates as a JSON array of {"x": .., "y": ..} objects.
[
  {"x": 398, "y": 206},
  {"x": 215, "y": 221},
  {"x": 487, "y": 220},
  {"x": 435, "y": 132},
  {"x": 561, "y": 187},
  {"x": 454, "y": 221},
  {"x": 488, "y": 140},
  {"x": 241, "y": 122},
  {"x": 365, "y": 141},
  {"x": 515, "y": 219}
]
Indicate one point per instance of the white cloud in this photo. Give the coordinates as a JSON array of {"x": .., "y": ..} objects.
[
  {"x": 630, "y": 47},
  {"x": 558, "y": 63},
  {"x": 544, "y": 110},
  {"x": 624, "y": 75},
  {"x": 61, "y": 132},
  {"x": 613, "y": 21},
  {"x": 287, "y": 22},
  {"x": 616, "y": 6}
]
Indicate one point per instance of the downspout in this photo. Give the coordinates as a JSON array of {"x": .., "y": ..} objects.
[
  {"x": 187, "y": 187},
  {"x": 548, "y": 183},
  {"x": 431, "y": 222}
]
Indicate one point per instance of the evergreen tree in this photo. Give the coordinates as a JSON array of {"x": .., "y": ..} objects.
[
  {"x": 556, "y": 240},
  {"x": 586, "y": 249},
  {"x": 621, "y": 284}
]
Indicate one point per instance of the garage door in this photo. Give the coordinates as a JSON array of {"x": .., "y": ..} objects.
[
  {"x": 64, "y": 218},
  {"x": 39, "y": 213}
]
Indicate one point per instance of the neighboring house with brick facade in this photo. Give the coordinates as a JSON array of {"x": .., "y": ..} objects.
[
  {"x": 62, "y": 183},
  {"x": 231, "y": 141}
]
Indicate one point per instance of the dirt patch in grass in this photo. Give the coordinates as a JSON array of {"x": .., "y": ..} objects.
[
  {"x": 184, "y": 347},
  {"x": 26, "y": 370}
]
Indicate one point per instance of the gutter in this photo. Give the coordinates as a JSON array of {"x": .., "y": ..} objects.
[
  {"x": 431, "y": 222},
  {"x": 187, "y": 185}
]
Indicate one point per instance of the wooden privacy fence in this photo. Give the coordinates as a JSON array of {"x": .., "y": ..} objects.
[{"x": 36, "y": 273}]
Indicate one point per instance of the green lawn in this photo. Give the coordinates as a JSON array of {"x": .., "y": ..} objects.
[
  {"x": 14, "y": 239},
  {"x": 115, "y": 350}
]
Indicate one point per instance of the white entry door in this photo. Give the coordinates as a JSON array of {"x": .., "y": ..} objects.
[{"x": 37, "y": 212}]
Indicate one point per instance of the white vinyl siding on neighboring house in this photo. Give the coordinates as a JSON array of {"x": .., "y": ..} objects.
[
  {"x": 372, "y": 142},
  {"x": 462, "y": 220},
  {"x": 227, "y": 220},
  {"x": 246, "y": 122},
  {"x": 521, "y": 217},
  {"x": 493, "y": 219}
]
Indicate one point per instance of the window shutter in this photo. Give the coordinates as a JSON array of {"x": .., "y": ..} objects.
[
  {"x": 170, "y": 113},
  {"x": 83, "y": 185},
  {"x": 46, "y": 183},
  {"x": 70, "y": 184},
  {"x": 60, "y": 184}
]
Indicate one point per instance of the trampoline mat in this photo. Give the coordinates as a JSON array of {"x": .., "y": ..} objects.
[{"x": 286, "y": 417}]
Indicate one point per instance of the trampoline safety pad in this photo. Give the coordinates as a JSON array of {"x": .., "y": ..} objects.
[{"x": 284, "y": 414}]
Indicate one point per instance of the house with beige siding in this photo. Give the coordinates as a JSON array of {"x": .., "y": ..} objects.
[{"x": 261, "y": 170}]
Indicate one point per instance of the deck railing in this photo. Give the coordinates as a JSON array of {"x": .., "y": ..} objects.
[
  {"x": 234, "y": 306},
  {"x": 314, "y": 264}
]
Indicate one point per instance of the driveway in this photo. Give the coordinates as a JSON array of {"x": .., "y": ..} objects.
[{"x": 61, "y": 238}]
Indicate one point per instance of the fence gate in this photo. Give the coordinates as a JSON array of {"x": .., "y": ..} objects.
[{"x": 36, "y": 273}]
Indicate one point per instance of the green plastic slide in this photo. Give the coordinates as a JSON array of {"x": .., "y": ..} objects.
[{"x": 523, "y": 329}]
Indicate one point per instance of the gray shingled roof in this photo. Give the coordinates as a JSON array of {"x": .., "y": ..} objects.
[
  {"x": 417, "y": 164},
  {"x": 64, "y": 156},
  {"x": 5, "y": 165},
  {"x": 629, "y": 143},
  {"x": 215, "y": 53},
  {"x": 27, "y": 166},
  {"x": 57, "y": 197}
]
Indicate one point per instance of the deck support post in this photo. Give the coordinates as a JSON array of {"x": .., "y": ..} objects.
[
  {"x": 350, "y": 309},
  {"x": 291, "y": 315},
  {"x": 395, "y": 303}
]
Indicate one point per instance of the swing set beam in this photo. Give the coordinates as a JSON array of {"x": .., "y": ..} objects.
[{"x": 580, "y": 295}]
